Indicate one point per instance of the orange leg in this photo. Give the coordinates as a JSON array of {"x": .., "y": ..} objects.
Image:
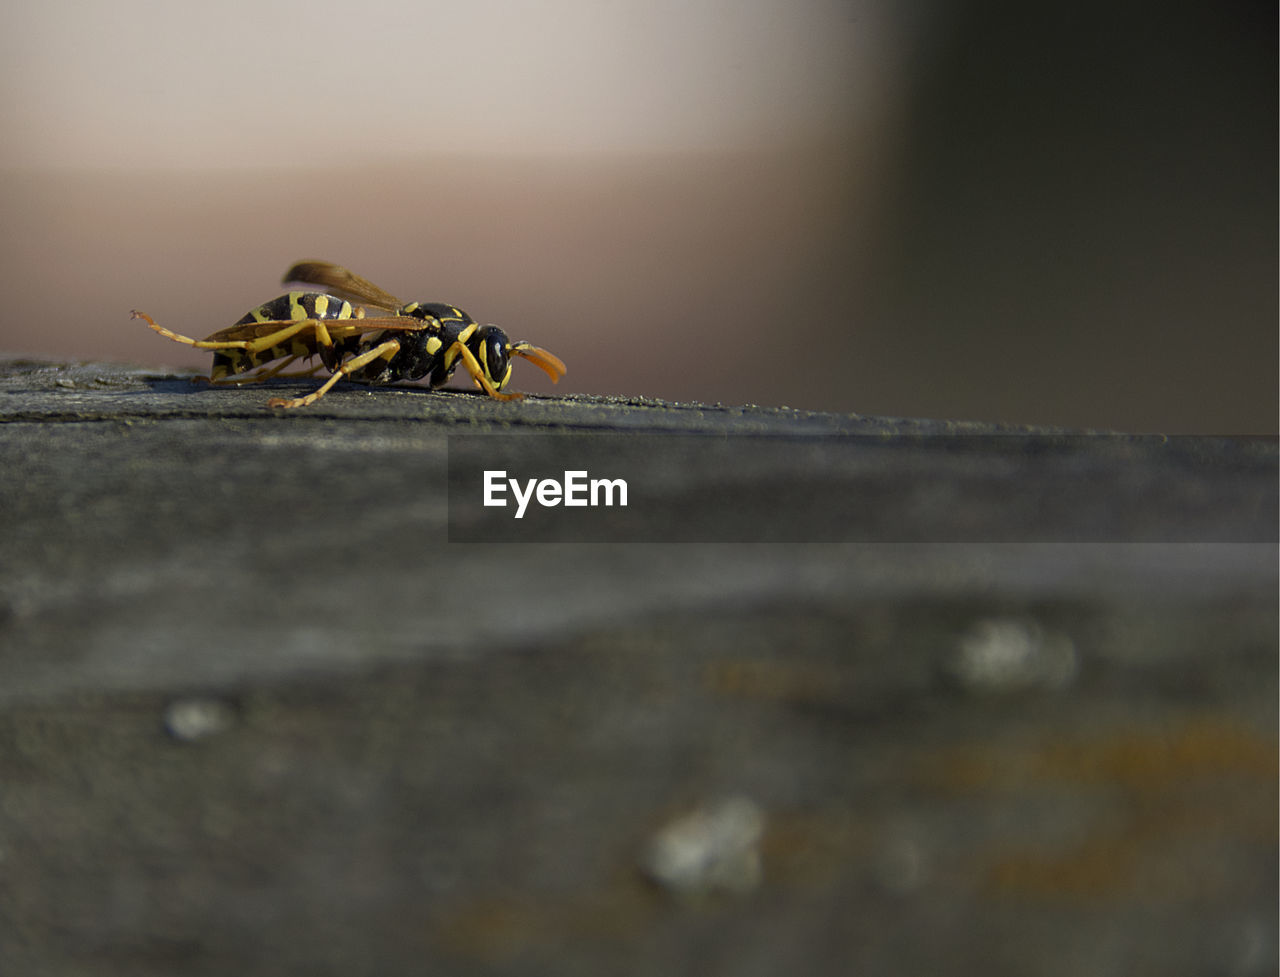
[
  {"x": 382, "y": 351},
  {"x": 477, "y": 374},
  {"x": 236, "y": 381},
  {"x": 289, "y": 329}
]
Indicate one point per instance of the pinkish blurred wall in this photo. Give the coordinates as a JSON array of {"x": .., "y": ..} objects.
[{"x": 984, "y": 213}]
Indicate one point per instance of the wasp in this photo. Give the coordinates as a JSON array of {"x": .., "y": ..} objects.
[{"x": 409, "y": 341}]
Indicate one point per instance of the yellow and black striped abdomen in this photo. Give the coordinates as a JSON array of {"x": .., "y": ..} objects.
[
  {"x": 295, "y": 307},
  {"x": 301, "y": 305}
]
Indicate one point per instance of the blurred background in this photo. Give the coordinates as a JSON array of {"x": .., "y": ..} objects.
[{"x": 983, "y": 209}]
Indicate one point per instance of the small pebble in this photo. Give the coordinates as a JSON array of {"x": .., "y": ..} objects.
[
  {"x": 1011, "y": 655},
  {"x": 715, "y": 848},
  {"x": 197, "y": 718}
]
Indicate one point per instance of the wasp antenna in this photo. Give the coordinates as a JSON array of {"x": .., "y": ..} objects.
[{"x": 548, "y": 363}]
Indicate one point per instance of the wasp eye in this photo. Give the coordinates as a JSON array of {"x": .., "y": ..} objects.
[{"x": 494, "y": 355}]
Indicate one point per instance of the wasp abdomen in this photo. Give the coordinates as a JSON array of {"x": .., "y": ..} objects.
[
  {"x": 302, "y": 305},
  {"x": 295, "y": 306}
]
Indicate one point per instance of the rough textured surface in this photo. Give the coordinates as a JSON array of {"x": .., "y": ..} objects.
[{"x": 257, "y": 715}]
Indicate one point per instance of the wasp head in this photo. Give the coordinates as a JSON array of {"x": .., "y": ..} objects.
[{"x": 493, "y": 350}]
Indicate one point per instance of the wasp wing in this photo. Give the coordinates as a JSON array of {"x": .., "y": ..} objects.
[{"x": 337, "y": 280}]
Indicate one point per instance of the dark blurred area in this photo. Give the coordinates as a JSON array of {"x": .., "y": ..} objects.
[
  {"x": 1083, "y": 221},
  {"x": 1058, "y": 215}
]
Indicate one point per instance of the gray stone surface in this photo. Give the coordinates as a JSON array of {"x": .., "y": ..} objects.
[{"x": 259, "y": 715}]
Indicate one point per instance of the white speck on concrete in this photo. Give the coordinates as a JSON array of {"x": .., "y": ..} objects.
[
  {"x": 198, "y": 718},
  {"x": 1012, "y": 655},
  {"x": 715, "y": 848}
]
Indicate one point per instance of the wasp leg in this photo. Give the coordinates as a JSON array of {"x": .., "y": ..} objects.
[
  {"x": 265, "y": 374},
  {"x": 477, "y": 374},
  {"x": 291, "y": 328},
  {"x": 236, "y": 381},
  {"x": 297, "y": 374},
  {"x": 382, "y": 351}
]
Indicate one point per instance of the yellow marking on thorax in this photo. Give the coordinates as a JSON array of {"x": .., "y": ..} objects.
[
  {"x": 451, "y": 354},
  {"x": 411, "y": 307},
  {"x": 433, "y": 345}
]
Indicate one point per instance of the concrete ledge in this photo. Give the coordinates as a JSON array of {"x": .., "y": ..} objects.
[{"x": 258, "y": 715}]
